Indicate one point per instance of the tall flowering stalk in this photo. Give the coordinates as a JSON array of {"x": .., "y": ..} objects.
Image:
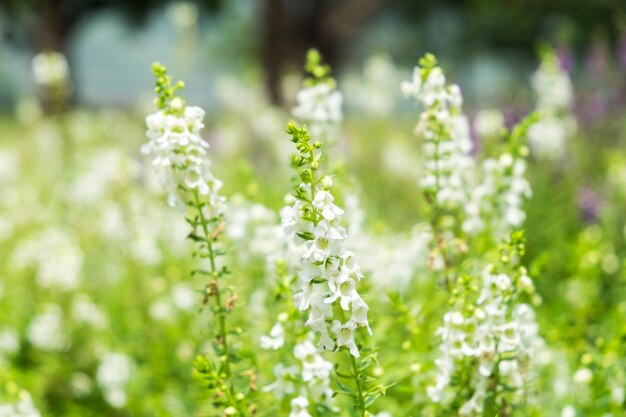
[
  {"x": 495, "y": 208},
  {"x": 488, "y": 339},
  {"x": 180, "y": 156},
  {"x": 488, "y": 334},
  {"x": 555, "y": 96},
  {"x": 446, "y": 145},
  {"x": 319, "y": 102},
  {"x": 303, "y": 378},
  {"x": 330, "y": 273}
]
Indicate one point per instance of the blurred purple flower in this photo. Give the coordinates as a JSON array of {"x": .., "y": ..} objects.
[
  {"x": 565, "y": 57},
  {"x": 588, "y": 204},
  {"x": 621, "y": 50}
]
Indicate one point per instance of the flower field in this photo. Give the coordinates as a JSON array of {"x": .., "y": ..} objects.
[{"x": 323, "y": 259}]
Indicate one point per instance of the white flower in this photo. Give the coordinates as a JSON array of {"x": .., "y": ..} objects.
[
  {"x": 20, "y": 406},
  {"x": 618, "y": 394},
  {"x": 9, "y": 342},
  {"x": 553, "y": 89},
  {"x": 489, "y": 123},
  {"x": 284, "y": 381},
  {"x": 276, "y": 338},
  {"x": 300, "y": 407},
  {"x": 319, "y": 104},
  {"x": 45, "y": 331},
  {"x": 84, "y": 310},
  {"x": 345, "y": 336},
  {"x": 583, "y": 376},
  {"x": 183, "y": 297},
  {"x": 50, "y": 68},
  {"x": 329, "y": 273},
  {"x": 113, "y": 375},
  {"x": 568, "y": 411},
  {"x": 179, "y": 154}
]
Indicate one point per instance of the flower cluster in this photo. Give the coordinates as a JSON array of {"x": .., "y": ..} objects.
[
  {"x": 444, "y": 131},
  {"x": 496, "y": 202},
  {"x": 319, "y": 102},
  {"x": 330, "y": 272},
  {"x": 46, "y": 331},
  {"x": 310, "y": 380},
  {"x": 56, "y": 256},
  {"x": 113, "y": 375},
  {"x": 50, "y": 69},
  {"x": 488, "y": 338},
  {"x": 553, "y": 89},
  {"x": 179, "y": 151},
  {"x": 18, "y": 403},
  {"x": 185, "y": 171}
]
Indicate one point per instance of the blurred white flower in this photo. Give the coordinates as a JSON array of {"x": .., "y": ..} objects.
[
  {"x": 568, "y": 411},
  {"x": 300, "y": 407},
  {"x": 55, "y": 255},
  {"x": 489, "y": 124},
  {"x": 20, "y": 406},
  {"x": 9, "y": 342},
  {"x": 50, "y": 68},
  {"x": 183, "y": 297},
  {"x": 45, "y": 331},
  {"x": 84, "y": 310},
  {"x": 113, "y": 375},
  {"x": 583, "y": 376},
  {"x": 276, "y": 338}
]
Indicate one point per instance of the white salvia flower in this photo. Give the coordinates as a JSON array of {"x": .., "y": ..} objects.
[
  {"x": 20, "y": 406},
  {"x": 56, "y": 256},
  {"x": 325, "y": 259},
  {"x": 84, "y": 310},
  {"x": 547, "y": 137},
  {"x": 113, "y": 375},
  {"x": 489, "y": 124},
  {"x": 9, "y": 166},
  {"x": 618, "y": 395},
  {"x": 45, "y": 331},
  {"x": 320, "y": 103},
  {"x": 50, "y": 68},
  {"x": 493, "y": 329},
  {"x": 445, "y": 133},
  {"x": 184, "y": 14},
  {"x": 180, "y": 157},
  {"x": 284, "y": 381},
  {"x": 554, "y": 92},
  {"x": 9, "y": 342},
  {"x": 583, "y": 376},
  {"x": 300, "y": 407},
  {"x": 568, "y": 411},
  {"x": 498, "y": 200},
  {"x": 276, "y": 338},
  {"x": 183, "y": 297}
]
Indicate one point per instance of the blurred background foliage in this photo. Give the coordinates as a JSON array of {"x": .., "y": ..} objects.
[
  {"x": 74, "y": 179},
  {"x": 495, "y": 40}
]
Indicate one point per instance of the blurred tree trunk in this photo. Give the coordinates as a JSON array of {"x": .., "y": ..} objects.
[
  {"x": 53, "y": 30},
  {"x": 290, "y": 28},
  {"x": 288, "y": 31}
]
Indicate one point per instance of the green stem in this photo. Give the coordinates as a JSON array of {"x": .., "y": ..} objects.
[
  {"x": 359, "y": 390},
  {"x": 218, "y": 299},
  {"x": 360, "y": 401}
]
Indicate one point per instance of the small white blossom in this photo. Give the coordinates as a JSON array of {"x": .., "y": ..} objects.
[
  {"x": 276, "y": 338},
  {"x": 46, "y": 331},
  {"x": 300, "y": 407},
  {"x": 50, "y": 68},
  {"x": 553, "y": 89},
  {"x": 113, "y": 375}
]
